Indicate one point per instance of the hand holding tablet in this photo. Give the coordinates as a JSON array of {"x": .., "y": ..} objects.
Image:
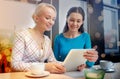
[{"x": 74, "y": 59}]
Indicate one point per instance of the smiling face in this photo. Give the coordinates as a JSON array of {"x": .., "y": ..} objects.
[
  {"x": 75, "y": 20},
  {"x": 45, "y": 19}
]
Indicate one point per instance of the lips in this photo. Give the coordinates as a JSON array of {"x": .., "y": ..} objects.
[
  {"x": 74, "y": 27},
  {"x": 49, "y": 26}
]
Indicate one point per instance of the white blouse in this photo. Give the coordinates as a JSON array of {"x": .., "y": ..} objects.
[{"x": 26, "y": 51}]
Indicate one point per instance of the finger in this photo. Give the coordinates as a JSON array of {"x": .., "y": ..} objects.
[
  {"x": 60, "y": 68},
  {"x": 89, "y": 54},
  {"x": 56, "y": 70},
  {"x": 81, "y": 67},
  {"x": 95, "y": 47},
  {"x": 92, "y": 59},
  {"x": 92, "y": 55},
  {"x": 92, "y": 52}
]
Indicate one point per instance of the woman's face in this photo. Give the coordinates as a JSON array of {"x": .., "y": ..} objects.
[
  {"x": 75, "y": 20},
  {"x": 46, "y": 18}
]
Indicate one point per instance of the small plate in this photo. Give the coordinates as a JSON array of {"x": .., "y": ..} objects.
[
  {"x": 29, "y": 74},
  {"x": 110, "y": 70}
]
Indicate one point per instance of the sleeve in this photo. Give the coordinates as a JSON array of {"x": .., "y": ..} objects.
[
  {"x": 51, "y": 57},
  {"x": 88, "y": 45},
  {"x": 56, "y": 48},
  {"x": 89, "y": 64},
  {"x": 17, "y": 62},
  {"x": 88, "y": 41}
]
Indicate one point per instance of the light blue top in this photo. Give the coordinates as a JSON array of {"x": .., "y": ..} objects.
[{"x": 63, "y": 45}]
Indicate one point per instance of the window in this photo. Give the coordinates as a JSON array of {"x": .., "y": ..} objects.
[{"x": 111, "y": 34}]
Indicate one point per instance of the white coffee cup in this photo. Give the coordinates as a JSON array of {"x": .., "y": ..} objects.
[
  {"x": 104, "y": 64},
  {"x": 37, "y": 68}
]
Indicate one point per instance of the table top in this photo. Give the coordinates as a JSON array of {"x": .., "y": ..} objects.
[
  {"x": 67, "y": 75},
  {"x": 21, "y": 75},
  {"x": 115, "y": 74}
]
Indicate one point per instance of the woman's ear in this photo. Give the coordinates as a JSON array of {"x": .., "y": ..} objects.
[
  {"x": 35, "y": 18},
  {"x": 67, "y": 20}
]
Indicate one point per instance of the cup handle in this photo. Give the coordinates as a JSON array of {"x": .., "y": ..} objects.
[{"x": 112, "y": 64}]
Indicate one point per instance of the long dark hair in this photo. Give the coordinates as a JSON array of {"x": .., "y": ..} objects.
[{"x": 76, "y": 10}]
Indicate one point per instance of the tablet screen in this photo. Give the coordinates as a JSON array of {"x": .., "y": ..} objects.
[{"x": 75, "y": 58}]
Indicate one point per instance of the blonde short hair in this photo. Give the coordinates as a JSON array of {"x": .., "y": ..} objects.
[{"x": 41, "y": 6}]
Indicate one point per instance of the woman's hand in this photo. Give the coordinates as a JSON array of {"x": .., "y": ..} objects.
[
  {"x": 55, "y": 68},
  {"x": 91, "y": 55},
  {"x": 81, "y": 67}
]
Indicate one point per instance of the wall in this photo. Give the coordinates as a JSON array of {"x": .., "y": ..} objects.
[{"x": 15, "y": 15}]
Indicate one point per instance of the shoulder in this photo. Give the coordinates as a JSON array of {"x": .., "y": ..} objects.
[
  {"x": 85, "y": 34},
  {"x": 22, "y": 32},
  {"x": 59, "y": 36}
]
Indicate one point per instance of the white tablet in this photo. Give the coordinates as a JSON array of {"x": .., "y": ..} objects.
[{"x": 75, "y": 58}]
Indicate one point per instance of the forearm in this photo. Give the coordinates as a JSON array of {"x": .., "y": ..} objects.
[{"x": 20, "y": 66}]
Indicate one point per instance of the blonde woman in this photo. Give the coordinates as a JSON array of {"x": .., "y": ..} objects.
[{"x": 32, "y": 46}]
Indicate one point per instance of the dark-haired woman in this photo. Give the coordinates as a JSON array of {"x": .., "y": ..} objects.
[{"x": 74, "y": 37}]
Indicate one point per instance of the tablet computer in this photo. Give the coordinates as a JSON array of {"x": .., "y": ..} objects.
[{"x": 74, "y": 58}]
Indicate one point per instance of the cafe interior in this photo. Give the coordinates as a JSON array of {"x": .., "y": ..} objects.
[{"x": 102, "y": 22}]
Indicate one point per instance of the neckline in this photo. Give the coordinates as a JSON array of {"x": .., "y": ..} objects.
[
  {"x": 36, "y": 39},
  {"x": 71, "y": 38}
]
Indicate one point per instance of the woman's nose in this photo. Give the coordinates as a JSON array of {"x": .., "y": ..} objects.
[{"x": 75, "y": 23}]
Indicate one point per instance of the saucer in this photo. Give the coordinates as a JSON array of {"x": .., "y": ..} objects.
[
  {"x": 110, "y": 70},
  {"x": 29, "y": 74}
]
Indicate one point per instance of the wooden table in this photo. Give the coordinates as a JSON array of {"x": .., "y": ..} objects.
[
  {"x": 21, "y": 75},
  {"x": 67, "y": 75}
]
